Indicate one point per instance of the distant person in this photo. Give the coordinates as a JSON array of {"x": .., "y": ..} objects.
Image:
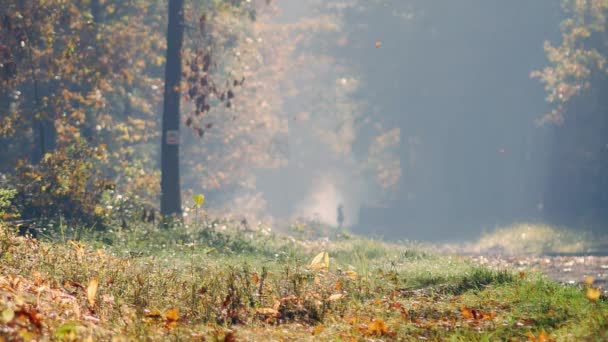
[{"x": 340, "y": 215}]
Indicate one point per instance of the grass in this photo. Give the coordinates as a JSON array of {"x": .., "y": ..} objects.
[
  {"x": 533, "y": 239},
  {"x": 219, "y": 283}
]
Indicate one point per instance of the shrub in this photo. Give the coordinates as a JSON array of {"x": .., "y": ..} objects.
[
  {"x": 67, "y": 184},
  {"x": 7, "y": 209}
]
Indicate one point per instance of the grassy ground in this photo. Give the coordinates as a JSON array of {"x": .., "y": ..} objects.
[{"x": 222, "y": 284}]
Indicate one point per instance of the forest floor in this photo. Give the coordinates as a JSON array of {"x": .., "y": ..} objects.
[{"x": 224, "y": 284}]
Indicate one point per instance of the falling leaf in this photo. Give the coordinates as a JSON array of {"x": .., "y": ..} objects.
[
  {"x": 589, "y": 280},
  {"x": 339, "y": 285},
  {"x": 171, "y": 318},
  {"x": 377, "y": 328},
  {"x": 92, "y": 291},
  {"x": 255, "y": 278},
  {"x": 593, "y": 294},
  {"x": 378, "y": 44},
  {"x": 321, "y": 261}
]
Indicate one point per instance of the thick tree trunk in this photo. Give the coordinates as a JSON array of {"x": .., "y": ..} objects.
[{"x": 170, "y": 202}]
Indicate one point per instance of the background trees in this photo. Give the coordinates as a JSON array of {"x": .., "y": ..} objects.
[{"x": 290, "y": 109}]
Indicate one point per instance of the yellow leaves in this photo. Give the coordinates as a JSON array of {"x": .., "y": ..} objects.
[
  {"x": 159, "y": 60},
  {"x": 171, "y": 317},
  {"x": 92, "y": 291},
  {"x": 199, "y": 200},
  {"x": 137, "y": 123},
  {"x": 542, "y": 337},
  {"x": 320, "y": 261},
  {"x": 593, "y": 294}
]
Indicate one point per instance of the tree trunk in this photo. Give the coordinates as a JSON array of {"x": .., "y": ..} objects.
[{"x": 170, "y": 202}]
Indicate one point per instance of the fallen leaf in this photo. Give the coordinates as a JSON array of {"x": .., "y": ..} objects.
[
  {"x": 321, "y": 261},
  {"x": 542, "y": 337},
  {"x": 255, "y": 278},
  {"x": 7, "y": 315},
  {"x": 377, "y": 328},
  {"x": 589, "y": 280},
  {"x": 335, "y": 297},
  {"x": 267, "y": 312},
  {"x": 351, "y": 274},
  {"x": 339, "y": 285},
  {"x": 171, "y": 318},
  {"x": 152, "y": 313},
  {"x": 593, "y": 294},
  {"x": 230, "y": 337},
  {"x": 92, "y": 291},
  {"x": 318, "y": 329},
  {"x": 472, "y": 313}
]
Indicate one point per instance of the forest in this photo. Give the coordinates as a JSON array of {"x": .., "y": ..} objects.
[{"x": 271, "y": 170}]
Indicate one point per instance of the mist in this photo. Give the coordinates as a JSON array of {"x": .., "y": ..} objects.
[{"x": 447, "y": 87}]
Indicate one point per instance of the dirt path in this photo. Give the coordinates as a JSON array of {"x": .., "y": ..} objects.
[{"x": 564, "y": 269}]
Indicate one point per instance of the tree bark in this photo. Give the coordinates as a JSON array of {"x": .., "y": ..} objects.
[{"x": 170, "y": 203}]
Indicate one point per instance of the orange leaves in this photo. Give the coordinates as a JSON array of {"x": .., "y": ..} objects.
[
  {"x": 542, "y": 337},
  {"x": 373, "y": 327},
  {"x": 475, "y": 314},
  {"x": 377, "y": 328},
  {"x": 171, "y": 317}
]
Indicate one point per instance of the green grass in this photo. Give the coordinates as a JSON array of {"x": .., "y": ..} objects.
[
  {"x": 227, "y": 282},
  {"x": 533, "y": 239}
]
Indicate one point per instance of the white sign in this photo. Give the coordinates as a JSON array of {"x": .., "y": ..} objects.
[{"x": 172, "y": 137}]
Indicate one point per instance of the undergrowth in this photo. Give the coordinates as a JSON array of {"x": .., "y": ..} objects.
[{"x": 217, "y": 281}]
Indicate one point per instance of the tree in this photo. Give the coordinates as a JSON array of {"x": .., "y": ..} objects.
[
  {"x": 576, "y": 81},
  {"x": 170, "y": 203}
]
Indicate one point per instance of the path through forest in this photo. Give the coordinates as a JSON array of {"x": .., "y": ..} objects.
[{"x": 567, "y": 269}]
